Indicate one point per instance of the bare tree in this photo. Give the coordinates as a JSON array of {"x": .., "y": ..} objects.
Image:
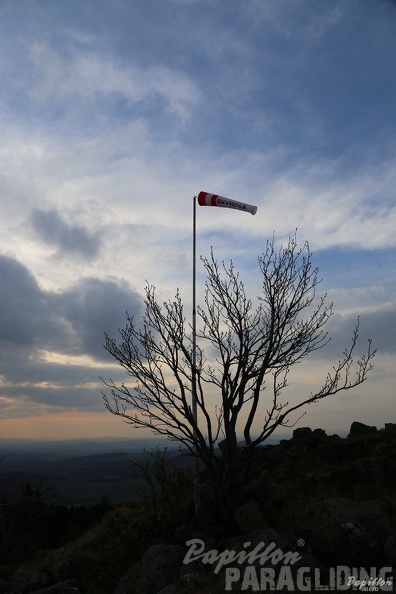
[
  {"x": 245, "y": 351},
  {"x": 167, "y": 491}
]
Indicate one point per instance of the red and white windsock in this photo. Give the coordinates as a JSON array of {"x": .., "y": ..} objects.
[{"x": 205, "y": 199}]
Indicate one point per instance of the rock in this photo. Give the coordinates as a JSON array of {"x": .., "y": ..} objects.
[
  {"x": 160, "y": 567},
  {"x": 328, "y": 451},
  {"x": 249, "y": 517},
  {"x": 276, "y": 455},
  {"x": 367, "y": 470},
  {"x": 390, "y": 550},
  {"x": 277, "y": 494},
  {"x": 270, "y": 535},
  {"x": 350, "y": 533},
  {"x": 28, "y": 580},
  {"x": 4, "y": 586},
  {"x": 357, "y": 429},
  {"x": 297, "y": 558},
  {"x": 301, "y": 432},
  {"x": 68, "y": 587},
  {"x": 389, "y": 433},
  {"x": 268, "y": 495},
  {"x": 185, "y": 532},
  {"x": 357, "y": 448},
  {"x": 182, "y": 534},
  {"x": 390, "y": 428},
  {"x": 390, "y": 472},
  {"x": 323, "y": 477},
  {"x": 60, "y": 570},
  {"x": 256, "y": 489},
  {"x": 128, "y": 583}
]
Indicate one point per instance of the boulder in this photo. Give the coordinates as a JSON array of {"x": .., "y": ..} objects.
[
  {"x": 357, "y": 429},
  {"x": 129, "y": 582},
  {"x": 350, "y": 533},
  {"x": 390, "y": 472},
  {"x": 249, "y": 517},
  {"x": 60, "y": 570},
  {"x": 390, "y": 550},
  {"x": 28, "y": 580},
  {"x": 277, "y": 493},
  {"x": 301, "y": 432},
  {"x": 276, "y": 455},
  {"x": 356, "y": 448},
  {"x": 4, "y": 586},
  {"x": 291, "y": 553},
  {"x": 256, "y": 489},
  {"x": 390, "y": 428},
  {"x": 319, "y": 432},
  {"x": 160, "y": 567},
  {"x": 370, "y": 471},
  {"x": 182, "y": 534},
  {"x": 329, "y": 451}
]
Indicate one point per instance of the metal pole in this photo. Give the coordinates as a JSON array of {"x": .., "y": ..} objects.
[{"x": 194, "y": 357}]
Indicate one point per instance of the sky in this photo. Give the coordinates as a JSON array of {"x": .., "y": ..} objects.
[{"x": 115, "y": 114}]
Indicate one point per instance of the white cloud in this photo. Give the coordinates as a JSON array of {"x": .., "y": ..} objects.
[
  {"x": 89, "y": 75},
  {"x": 358, "y": 210}
]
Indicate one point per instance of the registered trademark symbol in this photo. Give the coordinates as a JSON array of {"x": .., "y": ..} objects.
[{"x": 301, "y": 542}]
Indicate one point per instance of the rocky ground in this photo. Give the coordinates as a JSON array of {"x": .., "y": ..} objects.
[{"x": 324, "y": 504}]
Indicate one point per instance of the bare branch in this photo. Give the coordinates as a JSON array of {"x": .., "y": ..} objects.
[{"x": 250, "y": 348}]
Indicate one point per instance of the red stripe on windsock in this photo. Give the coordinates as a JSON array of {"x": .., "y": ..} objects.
[
  {"x": 202, "y": 198},
  {"x": 206, "y": 199}
]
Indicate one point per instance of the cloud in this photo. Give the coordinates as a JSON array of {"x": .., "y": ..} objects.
[
  {"x": 94, "y": 306},
  {"x": 22, "y": 305},
  {"x": 33, "y": 397},
  {"x": 69, "y": 239},
  {"x": 88, "y": 75},
  {"x": 376, "y": 325},
  {"x": 379, "y": 325},
  {"x": 35, "y": 323}
]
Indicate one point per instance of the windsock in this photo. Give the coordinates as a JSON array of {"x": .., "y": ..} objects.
[{"x": 205, "y": 199}]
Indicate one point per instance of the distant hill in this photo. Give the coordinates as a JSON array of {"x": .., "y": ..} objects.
[
  {"x": 81, "y": 471},
  {"x": 78, "y": 479},
  {"x": 77, "y": 447}
]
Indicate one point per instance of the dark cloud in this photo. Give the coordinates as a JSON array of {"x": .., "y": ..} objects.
[
  {"x": 377, "y": 325},
  {"x": 64, "y": 397},
  {"x": 93, "y": 306},
  {"x": 70, "y": 322},
  {"x": 22, "y": 305},
  {"x": 68, "y": 239}
]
